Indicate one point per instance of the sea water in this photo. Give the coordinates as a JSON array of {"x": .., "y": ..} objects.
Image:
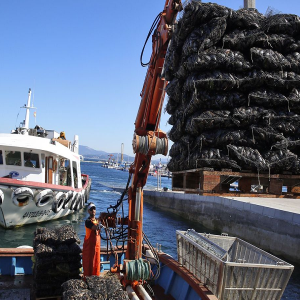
[{"x": 160, "y": 227}]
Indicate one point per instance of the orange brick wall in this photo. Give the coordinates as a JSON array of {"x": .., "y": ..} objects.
[{"x": 210, "y": 183}]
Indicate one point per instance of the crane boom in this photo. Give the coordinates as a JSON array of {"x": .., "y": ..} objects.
[{"x": 148, "y": 138}]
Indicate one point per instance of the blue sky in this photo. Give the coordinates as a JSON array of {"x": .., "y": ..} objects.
[{"x": 81, "y": 58}]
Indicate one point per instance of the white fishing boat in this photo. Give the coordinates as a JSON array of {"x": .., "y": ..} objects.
[{"x": 40, "y": 176}]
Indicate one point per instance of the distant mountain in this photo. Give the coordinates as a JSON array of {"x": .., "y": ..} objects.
[{"x": 88, "y": 152}]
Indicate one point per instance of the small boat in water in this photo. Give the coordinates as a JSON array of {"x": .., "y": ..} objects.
[{"x": 40, "y": 176}]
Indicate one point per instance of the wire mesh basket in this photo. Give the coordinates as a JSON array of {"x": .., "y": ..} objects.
[{"x": 232, "y": 268}]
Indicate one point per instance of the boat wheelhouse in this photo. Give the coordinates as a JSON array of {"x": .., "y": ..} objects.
[{"x": 40, "y": 175}]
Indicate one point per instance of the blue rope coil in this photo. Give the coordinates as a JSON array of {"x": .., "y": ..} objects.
[{"x": 137, "y": 270}]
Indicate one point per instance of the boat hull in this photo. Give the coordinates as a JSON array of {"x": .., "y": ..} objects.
[
  {"x": 29, "y": 202},
  {"x": 174, "y": 282}
]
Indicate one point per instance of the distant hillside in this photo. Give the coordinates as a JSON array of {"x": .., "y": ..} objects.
[{"x": 88, "y": 152}]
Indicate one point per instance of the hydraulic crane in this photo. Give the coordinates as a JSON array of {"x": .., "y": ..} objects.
[{"x": 148, "y": 139}]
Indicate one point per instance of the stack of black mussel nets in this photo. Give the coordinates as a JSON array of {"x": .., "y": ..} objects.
[
  {"x": 57, "y": 259},
  {"x": 234, "y": 90},
  {"x": 107, "y": 287}
]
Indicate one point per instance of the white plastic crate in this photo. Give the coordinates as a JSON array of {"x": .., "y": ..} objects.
[{"x": 232, "y": 268}]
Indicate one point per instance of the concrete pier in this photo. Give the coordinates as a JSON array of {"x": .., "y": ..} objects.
[{"x": 272, "y": 224}]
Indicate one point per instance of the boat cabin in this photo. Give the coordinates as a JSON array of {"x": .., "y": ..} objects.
[{"x": 44, "y": 159}]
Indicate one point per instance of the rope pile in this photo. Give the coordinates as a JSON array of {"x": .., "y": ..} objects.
[{"x": 234, "y": 90}]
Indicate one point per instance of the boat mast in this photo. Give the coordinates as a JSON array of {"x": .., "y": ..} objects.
[
  {"x": 122, "y": 149},
  {"x": 25, "y": 124}
]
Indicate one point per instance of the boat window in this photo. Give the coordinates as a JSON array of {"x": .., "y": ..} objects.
[
  {"x": 1, "y": 158},
  {"x": 13, "y": 158},
  {"x": 31, "y": 160}
]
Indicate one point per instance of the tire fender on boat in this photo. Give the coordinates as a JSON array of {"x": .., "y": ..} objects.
[
  {"x": 73, "y": 201},
  {"x": 83, "y": 192},
  {"x": 43, "y": 198},
  {"x": 68, "y": 201},
  {"x": 1, "y": 197},
  {"x": 82, "y": 198},
  {"x": 59, "y": 201},
  {"x": 78, "y": 202},
  {"x": 21, "y": 196}
]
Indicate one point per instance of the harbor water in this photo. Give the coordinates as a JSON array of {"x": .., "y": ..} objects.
[{"x": 160, "y": 227}]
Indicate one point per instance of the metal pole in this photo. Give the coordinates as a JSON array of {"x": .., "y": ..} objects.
[
  {"x": 26, "y": 125},
  {"x": 249, "y": 4},
  {"x": 138, "y": 204}
]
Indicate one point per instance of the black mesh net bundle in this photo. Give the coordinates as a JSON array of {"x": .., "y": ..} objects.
[
  {"x": 294, "y": 47},
  {"x": 280, "y": 160},
  {"x": 263, "y": 136},
  {"x": 268, "y": 59},
  {"x": 179, "y": 148},
  {"x": 248, "y": 157},
  {"x": 294, "y": 60},
  {"x": 223, "y": 137},
  {"x": 196, "y": 13},
  {"x": 282, "y": 23},
  {"x": 176, "y": 131},
  {"x": 208, "y": 120},
  {"x": 204, "y": 37},
  {"x": 246, "y": 116},
  {"x": 242, "y": 40},
  {"x": 294, "y": 100},
  {"x": 213, "y": 81},
  {"x": 178, "y": 115},
  {"x": 79, "y": 295},
  {"x": 107, "y": 287},
  {"x": 210, "y": 158},
  {"x": 277, "y": 42},
  {"x": 212, "y": 59},
  {"x": 268, "y": 98},
  {"x": 234, "y": 95},
  {"x": 202, "y": 100},
  {"x": 171, "y": 106},
  {"x": 174, "y": 90},
  {"x": 57, "y": 258},
  {"x": 245, "y": 19}
]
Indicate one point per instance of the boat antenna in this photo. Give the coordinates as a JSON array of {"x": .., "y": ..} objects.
[{"x": 17, "y": 118}]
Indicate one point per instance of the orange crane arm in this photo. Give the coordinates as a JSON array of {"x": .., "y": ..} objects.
[{"x": 148, "y": 138}]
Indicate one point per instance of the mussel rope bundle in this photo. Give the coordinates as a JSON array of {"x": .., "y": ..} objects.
[
  {"x": 138, "y": 270},
  {"x": 254, "y": 63}
]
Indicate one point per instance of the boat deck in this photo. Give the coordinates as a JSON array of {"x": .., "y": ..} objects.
[
  {"x": 17, "y": 287},
  {"x": 20, "y": 287}
]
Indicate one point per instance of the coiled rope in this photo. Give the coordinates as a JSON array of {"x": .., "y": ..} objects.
[
  {"x": 137, "y": 270},
  {"x": 160, "y": 146},
  {"x": 144, "y": 145}
]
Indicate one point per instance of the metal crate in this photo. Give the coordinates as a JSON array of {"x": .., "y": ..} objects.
[{"x": 232, "y": 268}]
